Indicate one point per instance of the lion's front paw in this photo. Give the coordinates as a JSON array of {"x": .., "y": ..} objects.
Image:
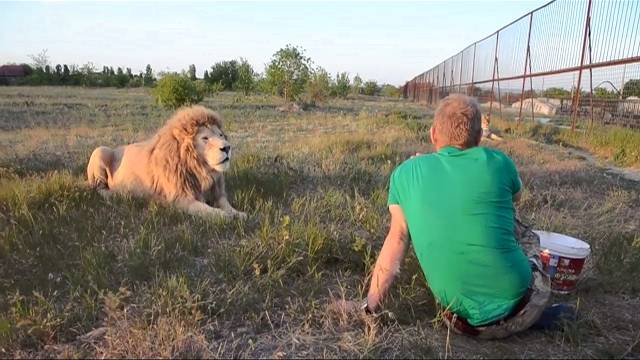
[{"x": 239, "y": 214}]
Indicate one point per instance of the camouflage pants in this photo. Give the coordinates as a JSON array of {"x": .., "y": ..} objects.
[{"x": 539, "y": 294}]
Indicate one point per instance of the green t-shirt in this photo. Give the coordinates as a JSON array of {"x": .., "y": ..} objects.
[{"x": 459, "y": 209}]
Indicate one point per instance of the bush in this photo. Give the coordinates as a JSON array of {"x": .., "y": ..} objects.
[
  {"x": 370, "y": 88},
  {"x": 318, "y": 87},
  {"x": 205, "y": 89},
  {"x": 342, "y": 86},
  {"x": 631, "y": 88},
  {"x": 173, "y": 91},
  {"x": 390, "y": 91}
]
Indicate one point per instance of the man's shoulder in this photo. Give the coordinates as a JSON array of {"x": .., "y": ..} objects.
[
  {"x": 494, "y": 154},
  {"x": 493, "y": 151},
  {"x": 416, "y": 161}
]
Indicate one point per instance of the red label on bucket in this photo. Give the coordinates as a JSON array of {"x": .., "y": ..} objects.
[{"x": 564, "y": 271}]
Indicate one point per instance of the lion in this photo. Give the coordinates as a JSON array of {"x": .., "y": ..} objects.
[
  {"x": 487, "y": 133},
  {"x": 182, "y": 164}
]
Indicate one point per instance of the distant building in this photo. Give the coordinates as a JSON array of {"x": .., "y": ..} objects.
[{"x": 10, "y": 73}]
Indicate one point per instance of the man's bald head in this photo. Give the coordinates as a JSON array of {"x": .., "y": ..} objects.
[{"x": 457, "y": 122}]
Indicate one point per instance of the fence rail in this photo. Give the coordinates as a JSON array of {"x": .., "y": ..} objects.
[{"x": 567, "y": 62}]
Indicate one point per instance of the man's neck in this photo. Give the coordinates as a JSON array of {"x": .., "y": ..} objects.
[{"x": 440, "y": 147}]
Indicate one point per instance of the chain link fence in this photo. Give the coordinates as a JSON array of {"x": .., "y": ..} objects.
[{"x": 572, "y": 63}]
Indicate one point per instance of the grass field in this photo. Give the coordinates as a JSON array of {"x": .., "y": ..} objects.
[{"x": 157, "y": 282}]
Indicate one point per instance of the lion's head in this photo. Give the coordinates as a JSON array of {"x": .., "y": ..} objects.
[
  {"x": 190, "y": 152},
  {"x": 211, "y": 145},
  {"x": 486, "y": 120}
]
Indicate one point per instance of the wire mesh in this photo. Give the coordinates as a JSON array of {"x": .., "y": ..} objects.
[{"x": 573, "y": 62}]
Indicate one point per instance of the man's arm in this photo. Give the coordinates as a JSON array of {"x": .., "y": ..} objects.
[
  {"x": 516, "y": 197},
  {"x": 390, "y": 258}
]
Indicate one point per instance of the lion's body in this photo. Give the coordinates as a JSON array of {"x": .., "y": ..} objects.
[
  {"x": 182, "y": 163},
  {"x": 125, "y": 169}
]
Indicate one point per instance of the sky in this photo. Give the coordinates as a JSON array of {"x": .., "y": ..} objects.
[{"x": 389, "y": 42}]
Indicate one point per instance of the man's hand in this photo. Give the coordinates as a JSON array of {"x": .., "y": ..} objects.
[
  {"x": 390, "y": 258},
  {"x": 357, "y": 308}
]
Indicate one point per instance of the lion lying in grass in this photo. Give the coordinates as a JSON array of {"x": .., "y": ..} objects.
[
  {"x": 487, "y": 133},
  {"x": 181, "y": 164}
]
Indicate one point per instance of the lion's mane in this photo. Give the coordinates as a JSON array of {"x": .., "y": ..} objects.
[{"x": 176, "y": 168}]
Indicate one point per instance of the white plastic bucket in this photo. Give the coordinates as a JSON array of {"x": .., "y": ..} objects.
[{"x": 563, "y": 258}]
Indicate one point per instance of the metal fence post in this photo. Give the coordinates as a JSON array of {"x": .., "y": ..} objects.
[
  {"x": 493, "y": 78},
  {"x": 590, "y": 76},
  {"x": 473, "y": 69},
  {"x": 524, "y": 75},
  {"x": 533, "y": 114},
  {"x": 461, "y": 62},
  {"x": 576, "y": 103}
]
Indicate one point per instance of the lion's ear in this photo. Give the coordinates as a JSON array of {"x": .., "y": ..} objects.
[{"x": 214, "y": 118}]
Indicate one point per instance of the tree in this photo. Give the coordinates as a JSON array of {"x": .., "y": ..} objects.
[
  {"x": 121, "y": 79},
  {"x": 225, "y": 73},
  {"x": 148, "y": 79},
  {"x": 370, "y": 88},
  {"x": 65, "y": 70},
  {"x": 390, "y": 91},
  {"x": 28, "y": 70},
  {"x": 631, "y": 88},
  {"x": 262, "y": 85},
  {"x": 556, "y": 93},
  {"x": 473, "y": 90},
  {"x": 173, "y": 91},
  {"x": 192, "y": 72},
  {"x": 135, "y": 82},
  {"x": 59, "y": 70},
  {"x": 318, "y": 86},
  {"x": 205, "y": 77},
  {"x": 129, "y": 73},
  {"x": 40, "y": 60},
  {"x": 88, "y": 68},
  {"x": 246, "y": 77},
  {"x": 342, "y": 85},
  {"x": 602, "y": 93},
  {"x": 288, "y": 72},
  {"x": 356, "y": 85}
]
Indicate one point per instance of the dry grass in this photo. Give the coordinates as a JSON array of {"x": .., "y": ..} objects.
[
  {"x": 616, "y": 145},
  {"x": 155, "y": 282}
]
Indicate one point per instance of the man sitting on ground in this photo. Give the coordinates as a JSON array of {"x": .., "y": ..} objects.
[{"x": 456, "y": 206}]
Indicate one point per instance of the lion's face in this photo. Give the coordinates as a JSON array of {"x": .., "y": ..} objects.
[
  {"x": 485, "y": 120},
  {"x": 212, "y": 145}
]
